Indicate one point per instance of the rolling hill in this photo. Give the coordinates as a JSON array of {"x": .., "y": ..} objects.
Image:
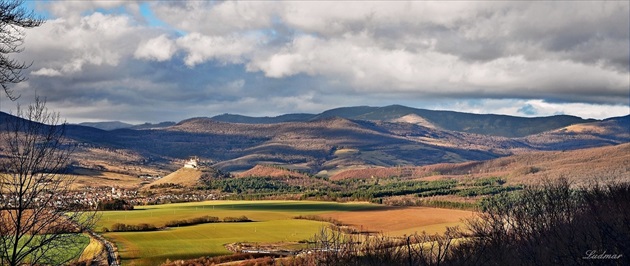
[
  {"x": 486, "y": 124},
  {"x": 271, "y": 171},
  {"x": 108, "y": 125},
  {"x": 328, "y": 143},
  {"x": 581, "y": 167},
  {"x": 186, "y": 177},
  {"x": 113, "y": 125}
]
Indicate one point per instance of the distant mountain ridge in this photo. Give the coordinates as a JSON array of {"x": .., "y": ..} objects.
[
  {"x": 232, "y": 118},
  {"x": 327, "y": 143},
  {"x": 485, "y": 124},
  {"x": 107, "y": 125},
  {"x": 113, "y": 125}
]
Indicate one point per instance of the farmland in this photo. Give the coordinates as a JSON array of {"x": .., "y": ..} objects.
[
  {"x": 400, "y": 221},
  {"x": 273, "y": 222}
]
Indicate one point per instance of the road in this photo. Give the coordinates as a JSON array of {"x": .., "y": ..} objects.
[{"x": 112, "y": 254}]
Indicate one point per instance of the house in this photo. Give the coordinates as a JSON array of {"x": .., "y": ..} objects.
[{"x": 192, "y": 163}]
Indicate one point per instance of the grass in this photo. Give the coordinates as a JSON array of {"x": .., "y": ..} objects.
[
  {"x": 342, "y": 152},
  {"x": 60, "y": 254},
  {"x": 91, "y": 251},
  {"x": 273, "y": 222},
  {"x": 153, "y": 248},
  {"x": 69, "y": 253},
  {"x": 92, "y": 178},
  {"x": 159, "y": 215}
]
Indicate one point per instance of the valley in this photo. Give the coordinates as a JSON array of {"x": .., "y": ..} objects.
[
  {"x": 364, "y": 170},
  {"x": 339, "y": 139}
]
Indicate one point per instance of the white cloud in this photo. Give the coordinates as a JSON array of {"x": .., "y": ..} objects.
[
  {"x": 97, "y": 39},
  {"x": 48, "y": 72},
  {"x": 227, "y": 49},
  {"x": 74, "y": 10},
  {"x": 296, "y": 53},
  {"x": 216, "y": 18},
  {"x": 160, "y": 48},
  {"x": 517, "y": 107}
]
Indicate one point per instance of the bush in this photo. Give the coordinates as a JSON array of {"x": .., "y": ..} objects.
[
  {"x": 236, "y": 219},
  {"x": 114, "y": 205},
  {"x": 548, "y": 225},
  {"x": 319, "y": 219},
  {"x": 193, "y": 221},
  {"x": 552, "y": 224},
  {"x": 120, "y": 227}
]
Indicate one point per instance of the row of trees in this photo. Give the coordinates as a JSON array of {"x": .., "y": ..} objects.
[{"x": 548, "y": 225}]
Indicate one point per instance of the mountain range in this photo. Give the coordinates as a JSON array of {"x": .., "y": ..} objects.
[
  {"x": 113, "y": 125},
  {"x": 487, "y": 124},
  {"x": 339, "y": 139}
]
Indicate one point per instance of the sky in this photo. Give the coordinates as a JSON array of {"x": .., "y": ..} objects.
[{"x": 154, "y": 61}]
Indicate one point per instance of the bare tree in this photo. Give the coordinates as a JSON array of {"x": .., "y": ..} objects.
[
  {"x": 37, "y": 221},
  {"x": 14, "y": 18},
  {"x": 334, "y": 247}
]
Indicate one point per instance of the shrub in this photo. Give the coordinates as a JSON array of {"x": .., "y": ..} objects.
[
  {"x": 120, "y": 227},
  {"x": 229, "y": 219},
  {"x": 114, "y": 204},
  {"x": 193, "y": 221},
  {"x": 548, "y": 225}
]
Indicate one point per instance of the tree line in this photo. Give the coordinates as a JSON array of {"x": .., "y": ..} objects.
[{"x": 552, "y": 224}]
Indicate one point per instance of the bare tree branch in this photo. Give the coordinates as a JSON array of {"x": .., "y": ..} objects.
[
  {"x": 34, "y": 217},
  {"x": 14, "y": 18}
]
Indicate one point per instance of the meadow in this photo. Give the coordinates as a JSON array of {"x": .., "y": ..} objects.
[{"x": 273, "y": 222}]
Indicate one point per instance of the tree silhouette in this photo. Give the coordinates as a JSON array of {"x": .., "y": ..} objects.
[
  {"x": 14, "y": 18},
  {"x": 37, "y": 220}
]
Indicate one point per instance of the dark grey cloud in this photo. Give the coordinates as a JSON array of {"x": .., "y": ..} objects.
[{"x": 268, "y": 58}]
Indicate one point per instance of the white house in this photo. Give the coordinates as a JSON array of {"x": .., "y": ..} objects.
[{"x": 192, "y": 163}]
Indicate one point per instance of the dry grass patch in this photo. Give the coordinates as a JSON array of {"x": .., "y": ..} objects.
[
  {"x": 94, "y": 178},
  {"x": 91, "y": 251},
  {"x": 399, "y": 221},
  {"x": 186, "y": 177}
]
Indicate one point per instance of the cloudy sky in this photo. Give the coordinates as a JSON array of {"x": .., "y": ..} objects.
[{"x": 166, "y": 61}]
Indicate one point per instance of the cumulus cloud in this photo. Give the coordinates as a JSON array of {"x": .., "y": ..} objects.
[
  {"x": 97, "y": 39},
  {"x": 530, "y": 108},
  {"x": 160, "y": 48},
  {"x": 46, "y": 72},
  {"x": 216, "y": 17},
  {"x": 516, "y": 58},
  {"x": 228, "y": 49}
]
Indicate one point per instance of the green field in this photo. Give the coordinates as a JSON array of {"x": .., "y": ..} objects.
[
  {"x": 59, "y": 253},
  {"x": 273, "y": 222}
]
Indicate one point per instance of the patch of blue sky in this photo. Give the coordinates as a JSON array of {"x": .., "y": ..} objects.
[
  {"x": 38, "y": 7},
  {"x": 149, "y": 16},
  {"x": 528, "y": 109},
  {"x": 153, "y": 21}
]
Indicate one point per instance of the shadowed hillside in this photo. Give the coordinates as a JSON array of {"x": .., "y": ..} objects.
[
  {"x": 579, "y": 166},
  {"x": 271, "y": 171},
  {"x": 327, "y": 144},
  {"x": 486, "y": 124}
]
